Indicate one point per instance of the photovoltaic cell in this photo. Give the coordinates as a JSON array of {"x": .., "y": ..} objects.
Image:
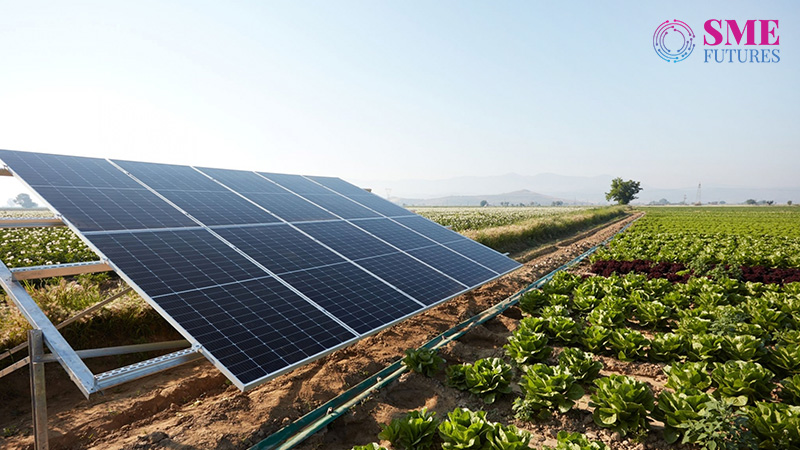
[
  {"x": 453, "y": 264},
  {"x": 488, "y": 257},
  {"x": 432, "y": 230},
  {"x": 346, "y": 239},
  {"x": 393, "y": 233},
  {"x": 164, "y": 262},
  {"x": 355, "y": 297},
  {"x": 412, "y": 277},
  {"x": 280, "y": 248}
]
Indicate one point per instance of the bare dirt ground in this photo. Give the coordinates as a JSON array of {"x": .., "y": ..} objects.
[{"x": 195, "y": 407}]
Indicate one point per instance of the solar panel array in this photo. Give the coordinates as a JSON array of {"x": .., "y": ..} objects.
[{"x": 264, "y": 271}]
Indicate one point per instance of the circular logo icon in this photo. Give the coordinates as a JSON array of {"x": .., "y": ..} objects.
[{"x": 673, "y": 41}]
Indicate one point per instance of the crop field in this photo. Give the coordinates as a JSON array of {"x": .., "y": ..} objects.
[
  {"x": 478, "y": 218},
  {"x": 707, "y": 358}
]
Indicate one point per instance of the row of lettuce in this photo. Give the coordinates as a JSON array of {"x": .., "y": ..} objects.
[{"x": 730, "y": 348}]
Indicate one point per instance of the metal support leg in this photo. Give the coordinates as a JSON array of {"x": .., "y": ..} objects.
[{"x": 38, "y": 397}]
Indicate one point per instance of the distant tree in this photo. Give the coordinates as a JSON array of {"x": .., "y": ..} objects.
[
  {"x": 623, "y": 192},
  {"x": 750, "y": 201},
  {"x": 770, "y": 202},
  {"x": 789, "y": 203},
  {"x": 484, "y": 203},
  {"x": 557, "y": 203},
  {"x": 24, "y": 200},
  {"x": 663, "y": 201}
]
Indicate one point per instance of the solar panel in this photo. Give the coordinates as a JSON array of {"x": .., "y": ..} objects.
[{"x": 263, "y": 271}]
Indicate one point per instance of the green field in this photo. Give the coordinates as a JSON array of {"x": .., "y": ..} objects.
[{"x": 702, "y": 236}]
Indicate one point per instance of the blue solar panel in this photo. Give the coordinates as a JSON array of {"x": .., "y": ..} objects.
[
  {"x": 341, "y": 206},
  {"x": 430, "y": 229},
  {"x": 262, "y": 278},
  {"x": 40, "y": 169},
  {"x": 296, "y": 183},
  {"x": 412, "y": 277},
  {"x": 394, "y": 233},
  {"x": 488, "y": 257},
  {"x": 280, "y": 248},
  {"x": 165, "y": 262},
  {"x": 91, "y": 209},
  {"x": 360, "y": 300},
  {"x": 254, "y": 328},
  {"x": 453, "y": 264},
  {"x": 346, "y": 239},
  {"x": 380, "y": 205}
]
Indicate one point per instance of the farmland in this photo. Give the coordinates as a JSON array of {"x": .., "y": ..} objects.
[
  {"x": 620, "y": 359},
  {"x": 709, "y": 358},
  {"x": 478, "y": 218}
]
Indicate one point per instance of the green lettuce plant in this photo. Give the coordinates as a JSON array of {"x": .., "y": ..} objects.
[
  {"x": 678, "y": 409},
  {"x": 790, "y": 390},
  {"x": 525, "y": 347},
  {"x": 776, "y": 425},
  {"x": 414, "y": 431},
  {"x": 785, "y": 359},
  {"x": 545, "y": 389},
  {"x": 464, "y": 430},
  {"x": 576, "y": 441},
  {"x": 687, "y": 375},
  {"x": 629, "y": 345},
  {"x": 424, "y": 360},
  {"x": 580, "y": 364},
  {"x": 666, "y": 347},
  {"x": 486, "y": 378},
  {"x": 743, "y": 348},
  {"x": 653, "y": 314},
  {"x": 742, "y": 381},
  {"x": 595, "y": 338},
  {"x": 622, "y": 404}
]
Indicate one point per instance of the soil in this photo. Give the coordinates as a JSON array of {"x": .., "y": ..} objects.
[{"x": 195, "y": 407}]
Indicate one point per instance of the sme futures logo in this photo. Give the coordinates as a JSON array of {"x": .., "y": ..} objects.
[{"x": 724, "y": 41}]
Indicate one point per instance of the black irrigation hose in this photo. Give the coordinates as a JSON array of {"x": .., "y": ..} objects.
[{"x": 299, "y": 430}]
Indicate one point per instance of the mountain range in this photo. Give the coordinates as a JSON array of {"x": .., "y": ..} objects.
[{"x": 548, "y": 187}]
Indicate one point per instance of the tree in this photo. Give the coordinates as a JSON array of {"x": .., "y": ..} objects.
[
  {"x": 484, "y": 203},
  {"x": 24, "y": 200},
  {"x": 623, "y": 191},
  {"x": 789, "y": 203},
  {"x": 750, "y": 201}
]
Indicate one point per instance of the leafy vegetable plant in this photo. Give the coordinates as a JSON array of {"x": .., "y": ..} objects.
[
  {"x": 688, "y": 375},
  {"x": 464, "y": 430},
  {"x": 564, "y": 330},
  {"x": 790, "y": 390},
  {"x": 580, "y": 364},
  {"x": 653, "y": 314},
  {"x": 666, "y": 347},
  {"x": 720, "y": 426},
  {"x": 527, "y": 347},
  {"x": 621, "y": 403},
  {"x": 744, "y": 348},
  {"x": 595, "y": 338},
  {"x": 629, "y": 345},
  {"x": 678, "y": 409},
  {"x": 370, "y": 446},
  {"x": 576, "y": 441},
  {"x": 545, "y": 389},
  {"x": 742, "y": 381},
  {"x": 486, "y": 378},
  {"x": 424, "y": 360},
  {"x": 414, "y": 431},
  {"x": 785, "y": 359},
  {"x": 776, "y": 425}
]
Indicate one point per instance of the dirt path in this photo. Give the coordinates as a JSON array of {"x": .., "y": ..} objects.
[{"x": 195, "y": 407}]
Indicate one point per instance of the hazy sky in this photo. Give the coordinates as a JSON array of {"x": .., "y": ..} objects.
[{"x": 403, "y": 89}]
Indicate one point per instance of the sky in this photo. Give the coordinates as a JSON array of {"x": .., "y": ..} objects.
[{"x": 394, "y": 90}]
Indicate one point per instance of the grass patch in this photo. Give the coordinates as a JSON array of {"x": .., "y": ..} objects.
[{"x": 529, "y": 233}]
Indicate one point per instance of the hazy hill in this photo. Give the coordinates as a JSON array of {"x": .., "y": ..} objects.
[{"x": 523, "y": 196}]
